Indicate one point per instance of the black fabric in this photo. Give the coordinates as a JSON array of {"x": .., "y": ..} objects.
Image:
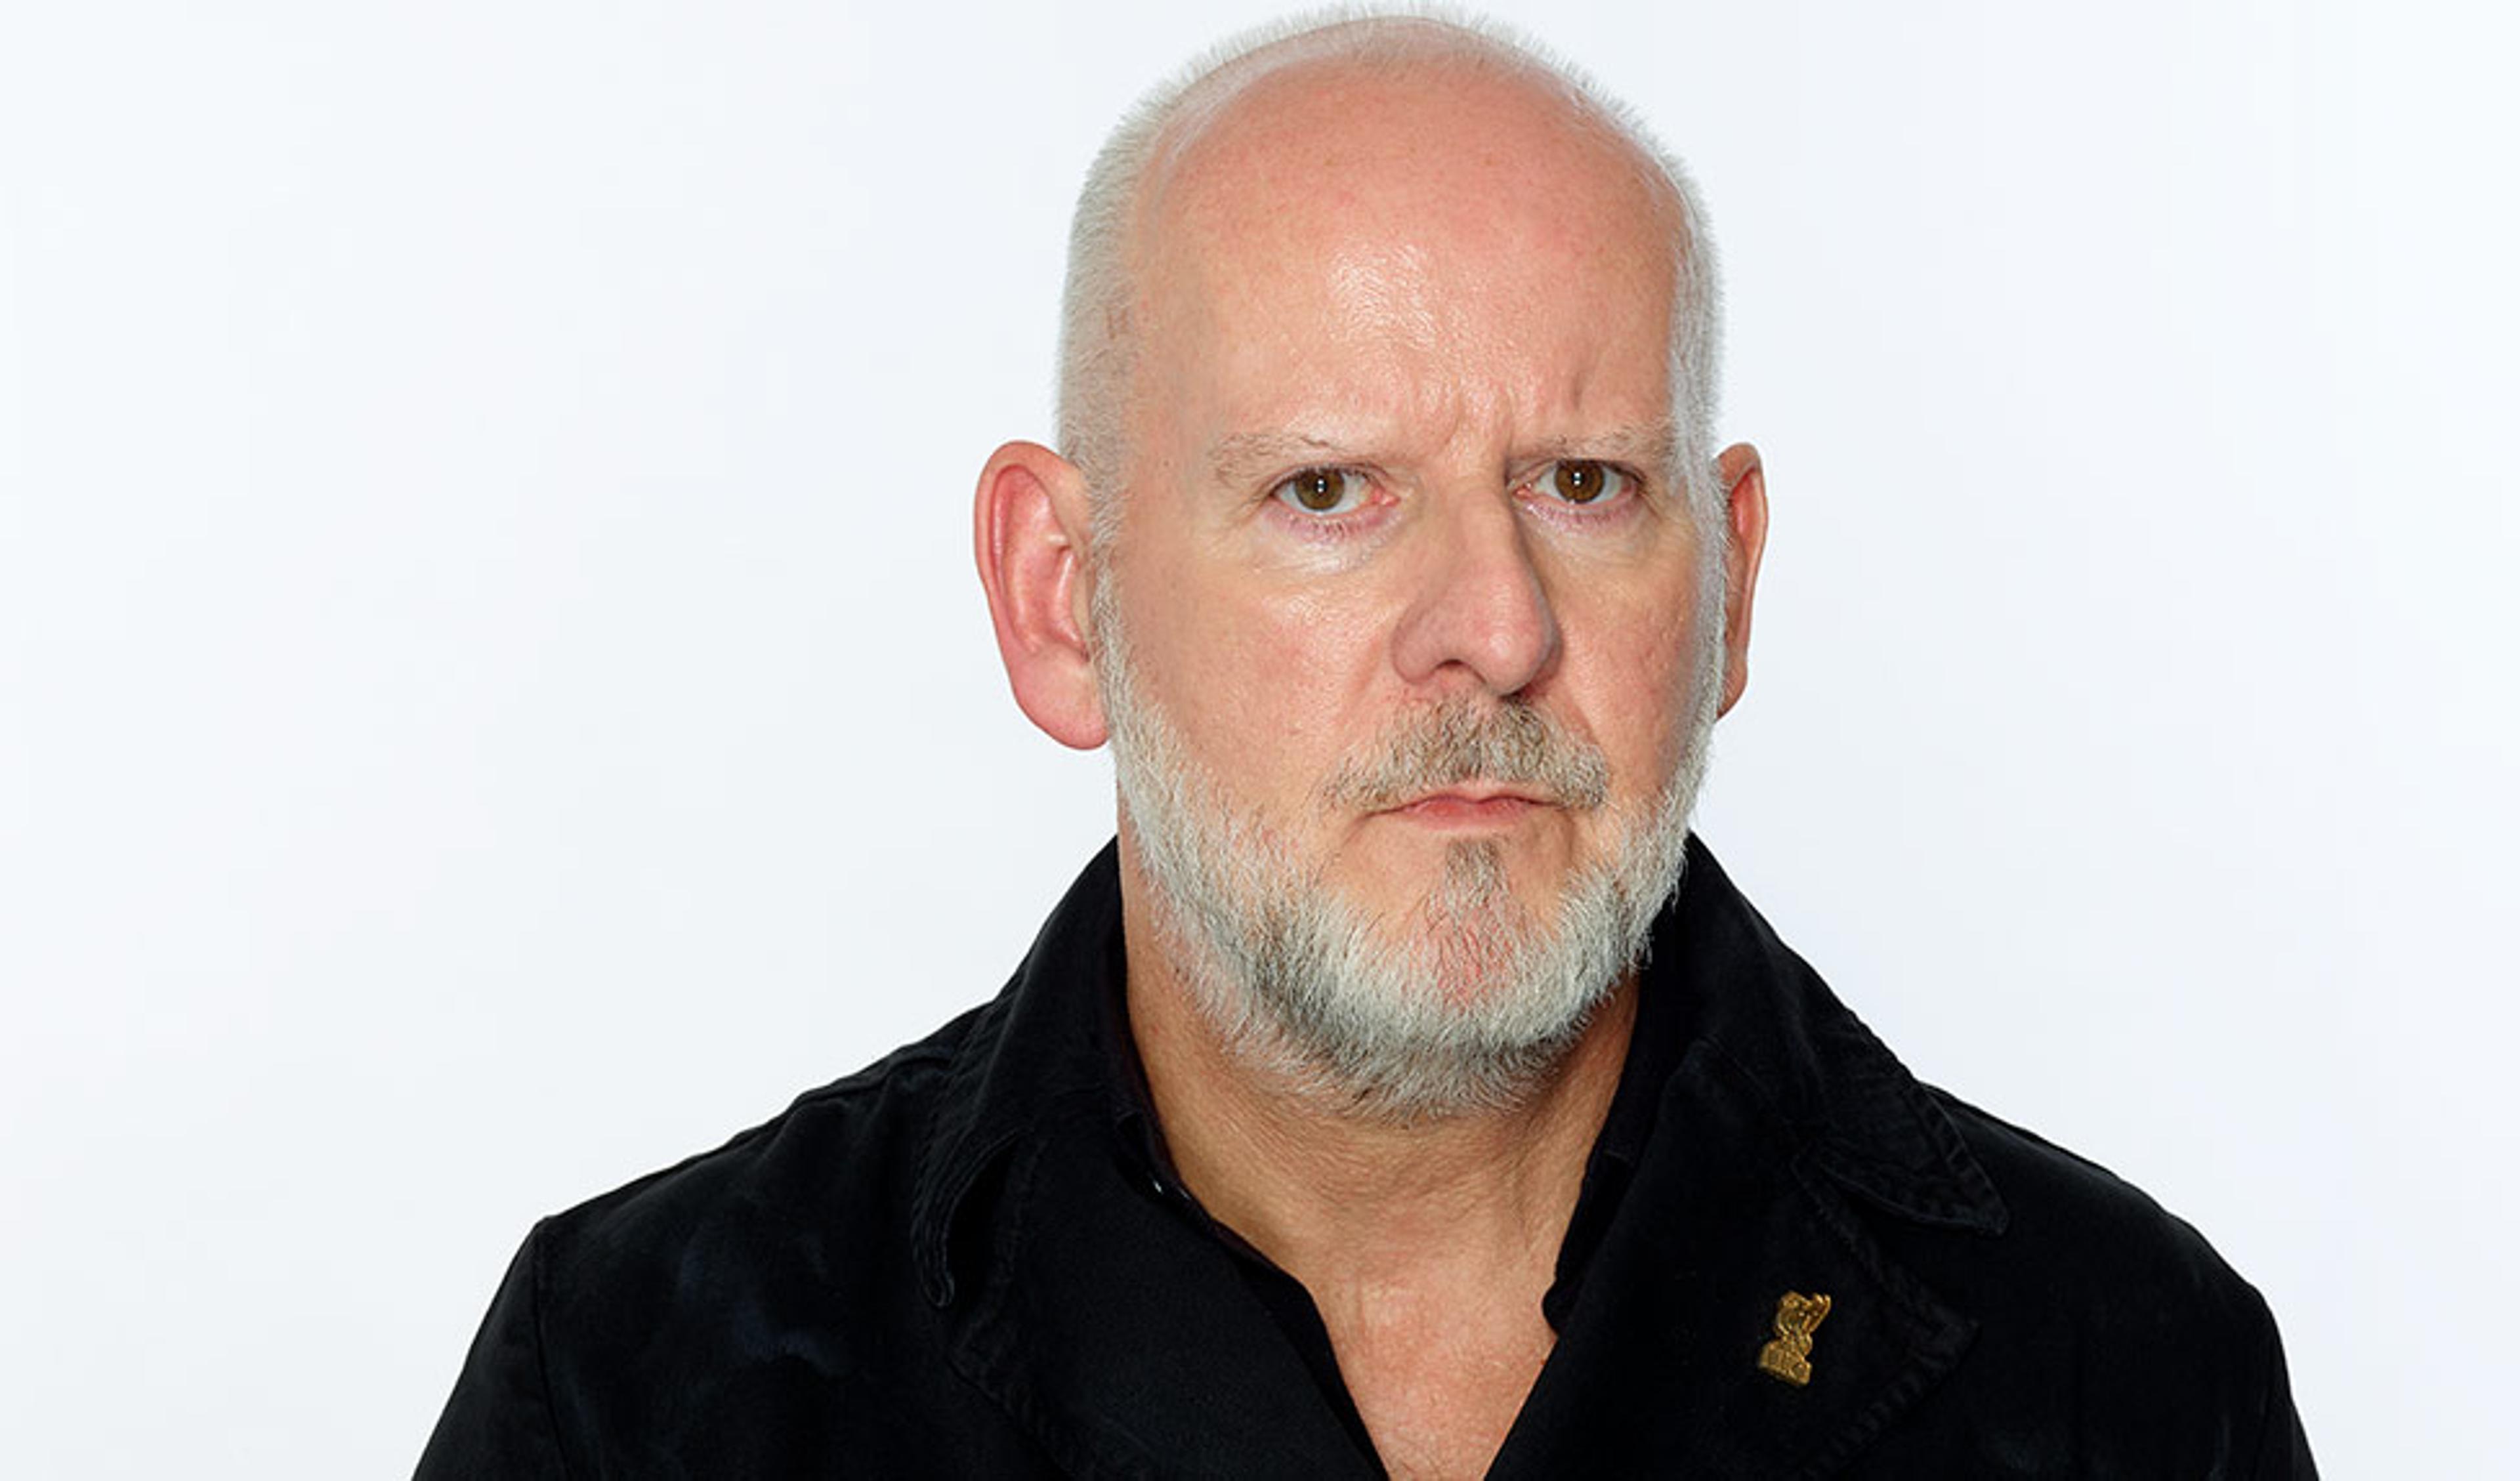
[{"x": 972, "y": 1259}]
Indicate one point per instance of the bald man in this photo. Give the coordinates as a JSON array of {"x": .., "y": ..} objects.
[{"x": 1406, "y": 1091}]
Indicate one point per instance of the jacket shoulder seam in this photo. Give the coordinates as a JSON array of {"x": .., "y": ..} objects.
[
  {"x": 872, "y": 1080},
  {"x": 542, "y": 1346}
]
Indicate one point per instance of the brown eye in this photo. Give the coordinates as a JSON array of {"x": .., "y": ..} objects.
[
  {"x": 1323, "y": 490},
  {"x": 1579, "y": 480}
]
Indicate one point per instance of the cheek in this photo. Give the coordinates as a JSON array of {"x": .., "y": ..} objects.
[
  {"x": 1261, "y": 683},
  {"x": 1637, "y": 670}
]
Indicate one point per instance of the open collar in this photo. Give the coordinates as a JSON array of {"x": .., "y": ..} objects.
[{"x": 1781, "y": 1114}]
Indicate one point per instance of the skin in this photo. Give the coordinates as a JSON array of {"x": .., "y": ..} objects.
[{"x": 1443, "y": 286}]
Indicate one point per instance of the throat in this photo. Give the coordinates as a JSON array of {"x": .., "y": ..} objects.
[
  {"x": 1427, "y": 1247},
  {"x": 1439, "y": 1380}
]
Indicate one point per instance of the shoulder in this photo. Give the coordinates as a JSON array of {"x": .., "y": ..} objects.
[
  {"x": 785, "y": 1251},
  {"x": 2100, "y": 1312},
  {"x": 2078, "y": 1227},
  {"x": 756, "y": 1304},
  {"x": 835, "y": 1165}
]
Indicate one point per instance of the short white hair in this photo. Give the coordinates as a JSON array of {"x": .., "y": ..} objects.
[{"x": 1097, "y": 334}]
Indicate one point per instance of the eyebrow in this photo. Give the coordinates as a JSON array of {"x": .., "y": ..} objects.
[
  {"x": 1653, "y": 446},
  {"x": 1235, "y": 456}
]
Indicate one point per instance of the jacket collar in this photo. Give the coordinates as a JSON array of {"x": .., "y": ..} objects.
[
  {"x": 1038, "y": 1056},
  {"x": 1834, "y": 1088},
  {"x": 1034, "y": 1059}
]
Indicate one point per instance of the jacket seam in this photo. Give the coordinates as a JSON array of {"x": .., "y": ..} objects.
[
  {"x": 2262, "y": 1382},
  {"x": 986, "y": 1369},
  {"x": 542, "y": 1349},
  {"x": 937, "y": 1189}
]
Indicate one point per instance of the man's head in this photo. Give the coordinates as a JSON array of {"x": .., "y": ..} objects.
[{"x": 1389, "y": 550}]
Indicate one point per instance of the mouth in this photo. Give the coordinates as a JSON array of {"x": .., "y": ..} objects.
[{"x": 1471, "y": 806}]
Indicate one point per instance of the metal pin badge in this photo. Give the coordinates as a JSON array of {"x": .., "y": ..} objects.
[{"x": 1787, "y": 1355}]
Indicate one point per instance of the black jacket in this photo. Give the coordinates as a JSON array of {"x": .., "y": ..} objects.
[{"x": 968, "y": 1260}]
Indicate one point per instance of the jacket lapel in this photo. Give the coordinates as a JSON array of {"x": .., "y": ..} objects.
[
  {"x": 1121, "y": 1339},
  {"x": 1658, "y": 1371},
  {"x": 1128, "y": 1343},
  {"x": 1785, "y": 1129}
]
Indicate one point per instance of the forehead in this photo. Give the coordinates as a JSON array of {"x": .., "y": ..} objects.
[{"x": 1400, "y": 232}]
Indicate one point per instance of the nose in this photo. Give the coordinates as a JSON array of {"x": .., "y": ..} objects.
[{"x": 1480, "y": 609}]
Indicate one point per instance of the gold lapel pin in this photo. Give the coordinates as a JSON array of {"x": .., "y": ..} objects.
[{"x": 1787, "y": 1355}]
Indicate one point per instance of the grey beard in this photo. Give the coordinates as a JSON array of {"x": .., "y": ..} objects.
[{"x": 1465, "y": 1007}]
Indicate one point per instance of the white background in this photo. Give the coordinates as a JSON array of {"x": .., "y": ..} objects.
[{"x": 493, "y": 697}]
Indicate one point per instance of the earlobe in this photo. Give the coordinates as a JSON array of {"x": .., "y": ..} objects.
[
  {"x": 1029, "y": 524},
  {"x": 1746, "y": 540}
]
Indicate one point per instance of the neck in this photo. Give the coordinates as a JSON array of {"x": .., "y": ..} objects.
[{"x": 1346, "y": 1200}]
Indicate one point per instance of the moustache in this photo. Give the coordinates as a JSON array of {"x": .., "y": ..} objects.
[{"x": 1465, "y": 739}]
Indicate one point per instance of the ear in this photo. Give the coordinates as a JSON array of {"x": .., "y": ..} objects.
[
  {"x": 1029, "y": 528},
  {"x": 1745, "y": 538}
]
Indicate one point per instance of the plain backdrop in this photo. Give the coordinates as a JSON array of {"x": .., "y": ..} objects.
[{"x": 493, "y": 696}]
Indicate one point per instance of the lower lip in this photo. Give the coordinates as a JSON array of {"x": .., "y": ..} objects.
[{"x": 1467, "y": 812}]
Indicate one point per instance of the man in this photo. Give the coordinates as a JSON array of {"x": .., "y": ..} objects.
[{"x": 1376, "y": 1104}]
